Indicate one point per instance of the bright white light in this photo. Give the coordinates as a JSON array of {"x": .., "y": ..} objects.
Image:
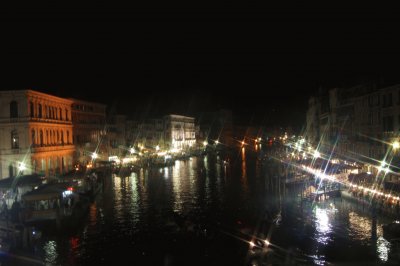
[
  {"x": 21, "y": 166},
  {"x": 216, "y": 142},
  {"x": 383, "y": 248},
  {"x": 387, "y": 170},
  {"x": 94, "y": 155},
  {"x": 132, "y": 150},
  {"x": 316, "y": 154},
  {"x": 396, "y": 145},
  {"x": 322, "y": 220},
  {"x": 205, "y": 143},
  {"x": 157, "y": 148}
]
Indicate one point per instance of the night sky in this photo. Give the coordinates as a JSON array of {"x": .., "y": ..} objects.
[{"x": 261, "y": 63}]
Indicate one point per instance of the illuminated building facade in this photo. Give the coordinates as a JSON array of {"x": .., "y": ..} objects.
[
  {"x": 89, "y": 120},
  {"x": 179, "y": 131},
  {"x": 35, "y": 133},
  {"x": 360, "y": 122}
]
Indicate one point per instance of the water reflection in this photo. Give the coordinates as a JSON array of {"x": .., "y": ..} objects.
[
  {"x": 128, "y": 218},
  {"x": 50, "y": 252},
  {"x": 322, "y": 224},
  {"x": 360, "y": 228},
  {"x": 383, "y": 249}
]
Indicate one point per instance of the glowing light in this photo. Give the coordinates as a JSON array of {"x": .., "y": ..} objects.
[
  {"x": 216, "y": 142},
  {"x": 316, "y": 154},
  {"x": 205, "y": 143},
  {"x": 21, "y": 166},
  {"x": 266, "y": 242},
  {"x": 132, "y": 150},
  {"x": 251, "y": 244},
  {"x": 157, "y": 148},
  {"x": 396, "y": 145},
  {"x": 94, "y": 155},
  {"x": 383, "y": 248}
]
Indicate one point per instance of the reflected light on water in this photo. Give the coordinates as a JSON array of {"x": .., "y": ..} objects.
[
  {"x": 177, "y": 186},
  {"x": 322, "y": 225},
  {"x": 383, "y": 249},
  {"x": 50, "y": 252},
  {"x": 361, "y": 227}
]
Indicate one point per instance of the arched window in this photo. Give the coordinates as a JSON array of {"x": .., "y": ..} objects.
[
  {"x": 14, "y": 139},
  {"x": 41, "y": 137},
  {"x": 31, "y": 109},
  {"x": 40, "y": 110},
  {"x": 33, "y": 137},
  {"x": 13, "y": 109}
]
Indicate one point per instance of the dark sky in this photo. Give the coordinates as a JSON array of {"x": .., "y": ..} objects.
[{"x": 263, "y": 63}]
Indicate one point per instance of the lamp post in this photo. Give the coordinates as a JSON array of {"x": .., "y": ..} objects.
[{"x": 396, "y": 145}]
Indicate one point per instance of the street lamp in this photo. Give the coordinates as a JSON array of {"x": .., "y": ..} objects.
[
  {"x": 21, "y": 167},
  {"x": 94, "y": 155},
  {"x": 395, "y": 145}
]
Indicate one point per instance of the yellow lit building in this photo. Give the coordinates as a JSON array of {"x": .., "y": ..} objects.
[
  {"x": 180, "y": 131},
  {"x": 35, "y": 133}
]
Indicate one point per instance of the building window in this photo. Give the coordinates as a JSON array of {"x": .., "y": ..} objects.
[
  {"x": 33, "y": 137},
  {"x": 66, "y": 114},
  {"x": 60, "y": 114},
  {"x": 32, "y": 108},
  {"x": 14, "y": 140},
  {"x": 13, "y": 109},
  {"x": 68, "y": 136},
  {"x": 40, "y": 110},
  {"x": 41, "y": 138}
]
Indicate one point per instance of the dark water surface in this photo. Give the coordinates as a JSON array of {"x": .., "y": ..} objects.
[{"x": 204, "y": 212}]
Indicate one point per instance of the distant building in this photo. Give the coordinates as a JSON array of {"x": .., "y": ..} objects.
[
  {"x": 35, "y": 133},
  {"x": 179, "y": 131},
  {"x": 359, "y": 123},
  {"x": 116, "y": 138},
  {"x": 89, "y": 120}
]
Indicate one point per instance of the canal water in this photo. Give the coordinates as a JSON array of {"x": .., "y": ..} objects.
[{"x": 204, "y": 211}]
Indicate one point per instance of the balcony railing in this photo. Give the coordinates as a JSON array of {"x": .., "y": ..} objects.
[{"x": 52, "y": 148}]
